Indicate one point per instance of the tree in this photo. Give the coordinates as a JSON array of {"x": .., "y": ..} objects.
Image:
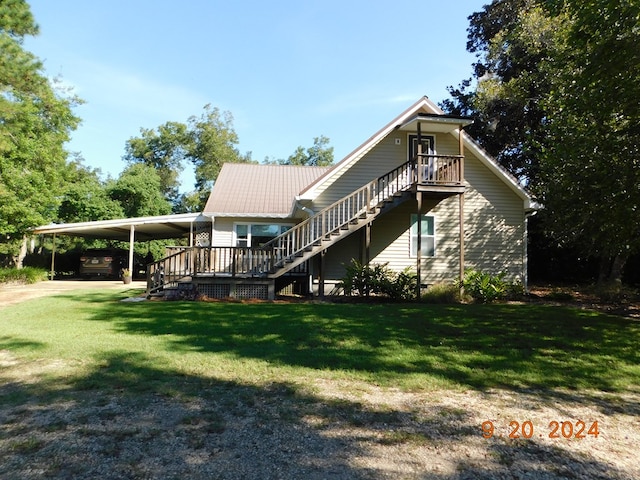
[
  {"x": 35, "y": 121},
  {"x": 511, "y": 39},
  {"x": 213, "y": 143},
  {"x": 318, "y": 155},
  {"x": 556, "y": 99},
  {"x": 206, "y": 142},
  {"x": 85, "y": 197},
  {"x": 591, "y": 158},
  {"x": 163, "y": 149},
  {"x": 138, "y": 192}
]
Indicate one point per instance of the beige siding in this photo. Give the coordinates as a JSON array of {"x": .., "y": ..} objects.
[
  {"x": 223, "y": 232},
  {"x": 494, "y": 219}
]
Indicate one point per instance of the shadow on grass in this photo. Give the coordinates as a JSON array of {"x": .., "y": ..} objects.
[
  {"x": 130, "y": 419},
  {"x": 478, "y": 346}
]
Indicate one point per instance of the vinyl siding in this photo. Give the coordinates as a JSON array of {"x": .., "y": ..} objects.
[{"x": 494, "y": 219}]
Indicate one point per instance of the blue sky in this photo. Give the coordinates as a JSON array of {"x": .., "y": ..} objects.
[{"x": 288, "y": 71}]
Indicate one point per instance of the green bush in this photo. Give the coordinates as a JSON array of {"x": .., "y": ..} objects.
[
  {"x": 442, "y": 293},
  {"x": 400, "y": 286},
  {"x": 484, "y": 287},
  {"x": 365, "y": 280},
  {"x": 22, "y": 275}
]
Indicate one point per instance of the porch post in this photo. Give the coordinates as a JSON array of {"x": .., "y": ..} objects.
[
  {"x": 461, "y": 202},
  {"x": 419, "y": 154},
  {"x": 53, "y": 257},
  {"x": 322, "y": 274},
  {"x": 132, "y": 235},
  {"x": 419, "y": 253},
  {"x": 461, "y": 221},
  {"x": 367, "y": 243}
]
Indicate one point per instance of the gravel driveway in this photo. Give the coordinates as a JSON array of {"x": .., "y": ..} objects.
[{"x": 16, "y": 293}]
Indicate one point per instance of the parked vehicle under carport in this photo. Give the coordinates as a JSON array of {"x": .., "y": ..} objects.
[{"x": 103, "y": 263}]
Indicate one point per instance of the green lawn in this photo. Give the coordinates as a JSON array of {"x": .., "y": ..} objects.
[{"x": 96, "y": 341}]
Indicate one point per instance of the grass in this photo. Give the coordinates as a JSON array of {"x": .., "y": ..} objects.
[
  {"x": 22, "y": 275},
  {"x": 99, "y": 343}
]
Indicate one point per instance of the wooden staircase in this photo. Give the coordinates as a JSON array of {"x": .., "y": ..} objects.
[
  {"x": 438, "y": 174},
  {"x": 341, "y": 219}
]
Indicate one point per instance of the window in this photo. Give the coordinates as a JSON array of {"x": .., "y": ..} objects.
[
  {"x": 257, "y": 234},
  {"x": 428, "y": 235}
]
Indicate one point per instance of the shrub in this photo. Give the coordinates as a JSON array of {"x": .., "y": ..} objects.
[
  {"x": 400, "y": 286},
  {"x": 377, "y": 279},
  {"x": 22, "y": 275},
  {"x": 442, "y": 293},
  {"x": 484, "y": 287}
]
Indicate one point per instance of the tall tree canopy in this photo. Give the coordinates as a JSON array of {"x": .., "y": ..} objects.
[
  {"x": 35, "y": 121},
  {"x": 206, "y": 142},
  {"x": 318, "y": 155},
  {"x": 556, "y": 97},
  {"x": 591, "y": 157}
]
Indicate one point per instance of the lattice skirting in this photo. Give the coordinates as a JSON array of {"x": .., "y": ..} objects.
[{"x": 239, "y": 289}]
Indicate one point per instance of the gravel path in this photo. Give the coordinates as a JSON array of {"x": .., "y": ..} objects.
[{"x": 15, "y": 293}]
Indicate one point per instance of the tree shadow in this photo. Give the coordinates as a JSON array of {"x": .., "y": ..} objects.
[
  {"x": 129, "y": 418},
  {"x": 514, "y": 347}
]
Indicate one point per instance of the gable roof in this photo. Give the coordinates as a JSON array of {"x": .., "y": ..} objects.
[
  {"x": 255, "y": 190},
  {"x": 422, "y": 108}
]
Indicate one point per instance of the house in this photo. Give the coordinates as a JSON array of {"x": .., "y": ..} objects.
[{"x": 268, "y": 228}]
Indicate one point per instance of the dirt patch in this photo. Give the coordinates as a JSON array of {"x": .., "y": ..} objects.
[
  {"x": 11, "y": 294},
  {"x": 326, "y": 429}
]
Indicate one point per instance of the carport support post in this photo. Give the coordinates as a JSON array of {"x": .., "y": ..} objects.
[
  {"x": 53, "y": 257},
  {"x": 132, "y": 235}
]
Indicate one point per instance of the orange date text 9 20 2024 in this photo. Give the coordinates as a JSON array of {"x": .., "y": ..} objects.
[{"x": 555, "y": 429}]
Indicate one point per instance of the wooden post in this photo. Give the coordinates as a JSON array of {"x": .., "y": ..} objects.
[
  {"x": 419, "y": 154},
  {"x": 53, "y": 258},
  {"x": 461, "y": 153},
  {"x": 461, "y": 220},
  {"x": 132, "y": 235},
  {"x": 419, "y": 253},
  {"x": 322, "y": 274},
  {"x": 461, "y": 202},
  {"x": 367, "y": 243}
]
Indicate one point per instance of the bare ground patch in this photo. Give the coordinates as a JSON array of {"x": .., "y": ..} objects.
[{"x": 209, "y": 428}]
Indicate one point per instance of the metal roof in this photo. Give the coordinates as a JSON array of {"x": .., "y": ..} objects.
[
  {"x": 145, "y": 228},
  {"x": 248, "y": 189}
]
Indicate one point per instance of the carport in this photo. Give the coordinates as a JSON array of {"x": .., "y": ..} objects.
[{"x": 131, "y": 229}]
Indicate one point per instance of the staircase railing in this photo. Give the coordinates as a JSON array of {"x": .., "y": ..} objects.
[{"x": 349, "y": 209}]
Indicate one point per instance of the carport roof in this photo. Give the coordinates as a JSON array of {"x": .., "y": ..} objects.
[{"x": 145, "y": 228}]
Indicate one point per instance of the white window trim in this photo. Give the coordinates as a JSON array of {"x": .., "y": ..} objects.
[
  {"x": 424, "y": 135},
  {"x": 411, "y": 239},
  {"x": 234, "y": 239}
]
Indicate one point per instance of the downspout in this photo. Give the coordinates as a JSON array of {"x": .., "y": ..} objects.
[
  {"x": 525, "y": 250},
  {"x": 306, "y": 210}
]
